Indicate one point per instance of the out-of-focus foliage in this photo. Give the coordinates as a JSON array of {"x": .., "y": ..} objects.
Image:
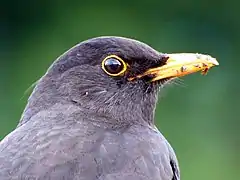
[{"x": 199, "y": 118}]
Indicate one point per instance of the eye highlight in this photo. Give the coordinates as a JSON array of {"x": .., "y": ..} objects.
[{"x": 114, "y": 65}]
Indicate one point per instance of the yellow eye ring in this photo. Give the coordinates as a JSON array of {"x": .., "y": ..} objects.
[{"x": 114, "y": 65}]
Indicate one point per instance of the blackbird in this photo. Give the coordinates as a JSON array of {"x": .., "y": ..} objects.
[{"x": 91, "y": 116}]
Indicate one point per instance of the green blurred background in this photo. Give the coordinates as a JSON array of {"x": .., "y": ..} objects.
[{"x": 199, "y": 118}]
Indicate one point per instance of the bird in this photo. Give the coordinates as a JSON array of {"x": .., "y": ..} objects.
[{"x": 91, "y": 115}]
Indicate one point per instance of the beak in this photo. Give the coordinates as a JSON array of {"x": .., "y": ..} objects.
[{"x": 182, "y": 64}]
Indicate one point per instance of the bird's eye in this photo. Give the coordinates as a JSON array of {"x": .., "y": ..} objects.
[{"x": 114, "y": 65}]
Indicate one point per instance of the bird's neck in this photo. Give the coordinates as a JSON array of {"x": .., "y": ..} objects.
[
  {"x": 42, "y": 98},
  {"x": 118, "y": 116},
  {"x": 131, "y": 111}
]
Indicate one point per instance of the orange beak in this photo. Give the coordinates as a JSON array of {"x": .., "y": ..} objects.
[{"x": 182, "y": 64}]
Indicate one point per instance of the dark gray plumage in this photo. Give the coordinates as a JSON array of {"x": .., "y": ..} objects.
[{"x": 82, "y": 124}]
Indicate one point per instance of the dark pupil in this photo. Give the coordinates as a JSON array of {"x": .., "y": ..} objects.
[{"x": 113, "y": 66}]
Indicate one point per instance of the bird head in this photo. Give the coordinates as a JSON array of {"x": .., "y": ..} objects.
[{"x": 112, "y": 76}]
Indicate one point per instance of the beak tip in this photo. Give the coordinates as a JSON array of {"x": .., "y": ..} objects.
[{"x": 214, "y": 61}]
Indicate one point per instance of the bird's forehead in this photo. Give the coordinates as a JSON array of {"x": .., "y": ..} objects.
[
  {"x": 93, "y": 51},
  {"x": 125, "y": 47}
]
